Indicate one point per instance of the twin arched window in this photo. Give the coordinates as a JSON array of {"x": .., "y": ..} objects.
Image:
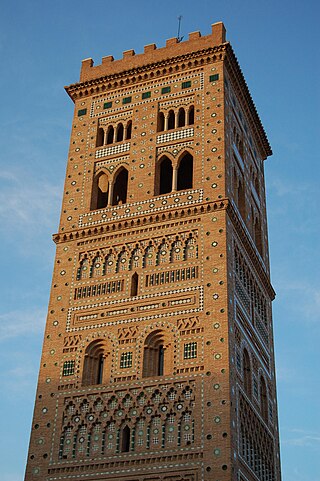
[
  {"x": 109, "y": 192},
  {"x": 155, "y": 362},
  {"x": 171, "y": 178}
]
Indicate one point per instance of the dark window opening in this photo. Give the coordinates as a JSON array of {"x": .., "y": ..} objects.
[
  {"x": 160, "y": 361},
  {"x": 214, "y": 77},
  {"x": 129, "y": 130},
  {"x": 171, "y": 120},
  {"x": 120, "y": 188},
  {"x": 160, "y": 122},
  {"x": 126, "y": 100},
  {"x": 100, "y": 192},
  {"x": 120, "y": 130},
  {"x": 185, "y": 173},
  {"x": 100, "y": 137},
  {"x": 107, "y": 105},
  {"x": 165, "y": 176},
  {"x": 146, "y": 95},
  {"x": 191, "y": 115},
  {"x": 100, "y": 369},
  {"x": 165, "y": 90},
  {"x": 82, "y": 112},
  {"x": 186, "y": 85},
  {"x": 181, "y": 118},
  {"x": 125, "y": 440},
  {"x": 110, "y": 135},
  {"x": 134, "y": 284},
  {"x": 242, "y": 201}
]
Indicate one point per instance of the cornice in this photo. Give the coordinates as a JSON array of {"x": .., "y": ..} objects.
[
  {"x": 112, "y": 228},
  {"x": 150, "y": 71}
]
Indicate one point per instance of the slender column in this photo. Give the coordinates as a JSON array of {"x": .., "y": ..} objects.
[
  {"x": 104, "y": 136},
  {"x": 176, "y": 118},
  {"x": 114, "y": 135},
  {"x": 110, "y": 192},
  {"x": 166, "y": 117},
  {"x": 174, "y": 178},
  {"x": 125, "y": 132}
]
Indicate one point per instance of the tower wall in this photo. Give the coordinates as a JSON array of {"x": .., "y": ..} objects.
[{"x": 157, "y": 361}]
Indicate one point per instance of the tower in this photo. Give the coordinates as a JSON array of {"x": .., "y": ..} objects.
[{"x": 158, "y": 358}]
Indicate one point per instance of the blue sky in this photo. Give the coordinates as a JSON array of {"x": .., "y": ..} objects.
[{"x": 42, "y": 44}]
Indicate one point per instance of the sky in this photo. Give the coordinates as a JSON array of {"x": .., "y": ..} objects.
[{"x": 42, "y": 44}]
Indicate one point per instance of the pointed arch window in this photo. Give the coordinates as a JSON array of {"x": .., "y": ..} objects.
[
  {"x": 154, "y": 355},
  {"x": 191, "y": 250},
  {"x": 176, "y": 253},
  {"x": 84, "y": 270},
  {"x": 110, "y": 135},
  {"x": 94, "y": 363},
  {"x": 97, "y": 267},
  {"x": 171, "y": 120},
  {"x": 185, "y": 172},
  {"x": 109, "y": 263},
  {"x": 148, "y": 259},
  {"x": 120, "y": 131},
  {"x": 160, "y": 127},
  {"x": 134, "y": 284},
  {"x": 125, "y": 439},
  {"x": 191, "y": 115},
  {"x": 181, "y": 117},
  {"x": 100, "y": 191},
  {"x": 120, "y": 187},
  {"x": 165, "y": 176},
  {"x": 122, "y": 262},
  {"x": 100, "y": 137},
  {"x": 129, "y": 130}
]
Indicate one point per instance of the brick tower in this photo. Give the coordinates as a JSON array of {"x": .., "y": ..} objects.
[{"x": 158, "y": 360}]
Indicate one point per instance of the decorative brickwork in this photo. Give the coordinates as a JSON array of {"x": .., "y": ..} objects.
[{"x": 157, "y": 361}]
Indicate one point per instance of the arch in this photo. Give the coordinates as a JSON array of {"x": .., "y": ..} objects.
[
  {"x": 120, "y": 187},
  {"x": 176, "y": 252},
  {"x": 191, "y": 249},
  {"x": 109, "y": 263},
  {"x": 154, "y": 358},
  {"x": 185, "y": 172},
  {"x": 165, "y": 172},
  {"x": 171, "y": 120},
  {"x": 191, "y": 115},
  {"x": 263, "y": 399},
  {"x": 148, "y": 258},
  {"x": 100, "y": 137},
  {"x": 122, "y": 261},
  {"x": 163, "y": 253},
  {"x": 94, "y": 366},
  {"x": 97, "y": 268},
  {"x": 83, "y": 270},
  {"x": 181, "y": 117},
  {"x": 129, "y": 130},
  {"x": 120, "y": 131},
  {"x": 135, "y": 259},
  {"x": 125, "y": 436},
  {"x": 110, "y": 135},
  {"x": 246, "y": 364},
  {"x": 134, "y": 284},
  {"x": 160, "y": 126},
  {"x": 100, "y": 191}
]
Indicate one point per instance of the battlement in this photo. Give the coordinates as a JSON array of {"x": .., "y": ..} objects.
[{"x": 131, "y": 60}]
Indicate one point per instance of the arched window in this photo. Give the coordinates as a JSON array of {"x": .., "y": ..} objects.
[
  {"x": 163, "y": 253},
  {"x": 110, "y": 135},
  {"x": 154, "y": 355},
  {"x": 185, "y": 172},
  {"x": 100, "y": 190},
  {"x": 135, "y": 259},
  {"x": 94, "y": 363},
  {"x": 100, "y": 137},
  {"x": 160, "y": 122},
  {"x": 165, "y": 176},
  {"x": 263, "y": 399},
  {"x": 129, "y": 130},
  {"x": 171, "y": 119},
  {"x": 246, "y": 373},
  {"x": 125, "y": 440},
  {"x": 109, "y": 263},
  {"x": 134, "y": 284},
  {"x": 241, "y": 148},
  {"x": 120, "y": 130},
  {"x": 191, "y": 115},
  {"x": 120, "y": 187},
  {"x": 181, "y": 118}
]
